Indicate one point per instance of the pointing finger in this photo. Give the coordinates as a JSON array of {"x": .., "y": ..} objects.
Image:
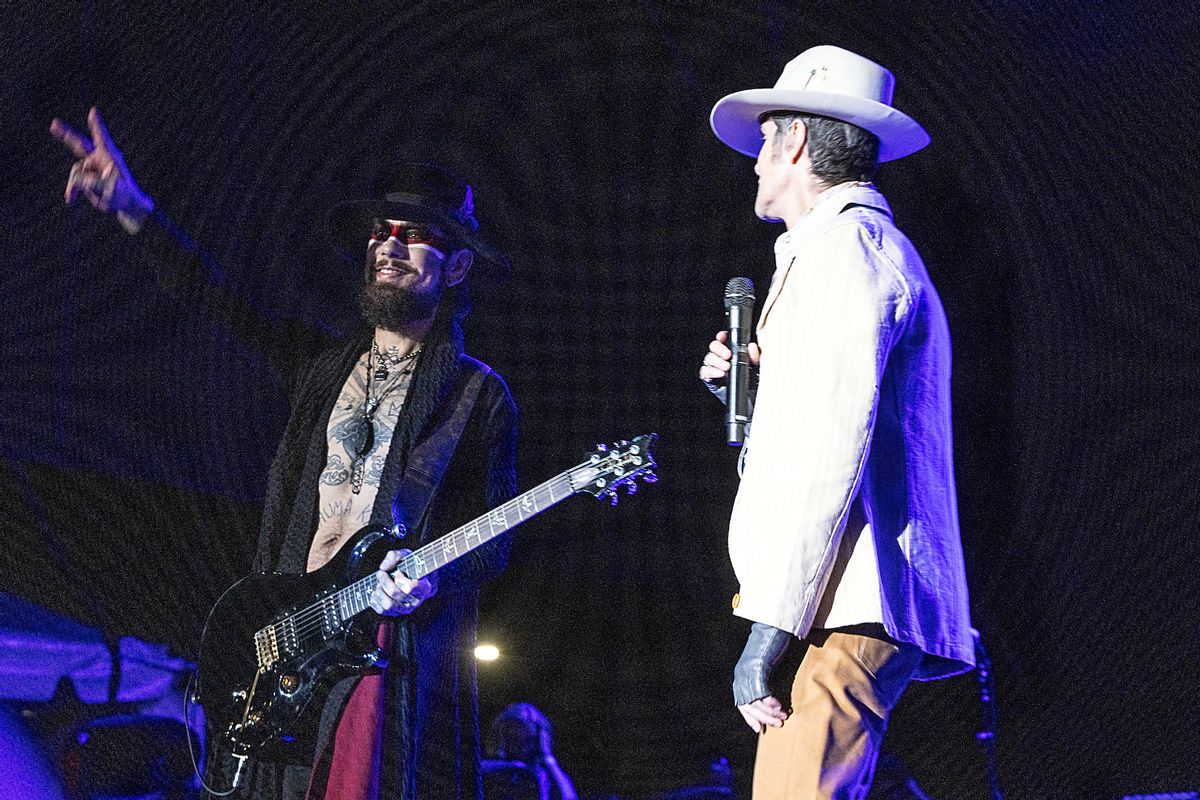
[
  {"x": 100, "y": 136},
  {"x": 409, "y": 586},
  {"x": 754, "y": 724},
  {"x": 771, "y": 706},
  {"x": 69, "y": 193},
  {"x": 79, "y": 145},
  {"x": 758, "y": 712},
  {"x": 386, "y": 584}
]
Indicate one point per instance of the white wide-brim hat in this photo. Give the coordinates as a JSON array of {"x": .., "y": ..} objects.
[{"x": 830, "y": 82}]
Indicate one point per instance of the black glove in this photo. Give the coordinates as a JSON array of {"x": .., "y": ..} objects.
[{"x": 764, "y": 648}]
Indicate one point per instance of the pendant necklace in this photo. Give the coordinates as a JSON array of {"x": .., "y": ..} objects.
[
  {"x": 365, "y": 436},
  {"x": 390, "y": 360}
]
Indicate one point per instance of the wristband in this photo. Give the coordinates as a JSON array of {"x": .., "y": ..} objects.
[{"x": 764, "y": 647}]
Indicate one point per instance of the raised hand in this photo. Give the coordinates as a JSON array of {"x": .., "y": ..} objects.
[{"x": 99, "y": 173}]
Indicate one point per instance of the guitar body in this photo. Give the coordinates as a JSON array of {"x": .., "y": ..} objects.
[
  {"x": 273, "y": 644},
  {"x": 262, "y": 694}
]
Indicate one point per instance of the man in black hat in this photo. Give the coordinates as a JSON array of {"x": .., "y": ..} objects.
[{"x": 358, "y": 407}]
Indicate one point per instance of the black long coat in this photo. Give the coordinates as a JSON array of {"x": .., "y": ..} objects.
[
  {"x": 431, "y": 727},
  {"x": 431, "y": 737}
]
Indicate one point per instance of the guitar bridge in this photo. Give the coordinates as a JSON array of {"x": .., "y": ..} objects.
[
  {"x": 275, "y": 642},
  {"x": 266, "y": 645}
]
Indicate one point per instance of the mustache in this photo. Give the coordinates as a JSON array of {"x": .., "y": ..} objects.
[{"x": 385, "y": 262}]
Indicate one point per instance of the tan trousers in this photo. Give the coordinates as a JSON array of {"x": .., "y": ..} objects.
[{"x": 844, "y": 690}]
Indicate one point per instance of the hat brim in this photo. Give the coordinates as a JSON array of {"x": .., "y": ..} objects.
[
  {"x": 734, "y": 119},
  {"x": 349, "y": 224}
]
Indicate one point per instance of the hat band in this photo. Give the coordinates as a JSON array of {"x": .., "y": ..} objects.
[{"x": 463, "y": 215}]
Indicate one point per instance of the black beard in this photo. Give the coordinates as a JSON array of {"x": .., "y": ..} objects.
[{"x": 393, "y": 308}]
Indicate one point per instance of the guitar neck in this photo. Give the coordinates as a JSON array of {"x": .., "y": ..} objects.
[
  {"x": 601, "y": 475},
  {"x": 484, "y": 528},
  {"x": 479, "y": 531}
]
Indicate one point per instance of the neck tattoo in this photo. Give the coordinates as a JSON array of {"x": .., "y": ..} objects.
[
  {"x": 380, "y": 373},
  {"x": 390, "y": 360}
]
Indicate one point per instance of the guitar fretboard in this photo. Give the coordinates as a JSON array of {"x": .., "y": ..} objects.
[
  {"x": 477, "y": 532},
  {"x": 325, "y": 617}
]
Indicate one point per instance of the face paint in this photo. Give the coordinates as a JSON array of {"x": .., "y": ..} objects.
[{"x": 419, "y": 235}]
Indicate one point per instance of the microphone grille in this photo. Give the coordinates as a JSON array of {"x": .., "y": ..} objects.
[{"x": 739, "y": 292}]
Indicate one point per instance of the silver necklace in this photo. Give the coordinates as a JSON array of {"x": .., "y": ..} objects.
[
  {"x": 390, "y": 360},
  {"x": 365, "y": 430}
]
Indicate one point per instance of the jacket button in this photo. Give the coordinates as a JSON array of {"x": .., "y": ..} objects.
[{"x": 737, "y": 598}]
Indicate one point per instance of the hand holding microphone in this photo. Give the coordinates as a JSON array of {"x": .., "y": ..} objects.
[
  {"x": 730, "y": 356},
  {"x": 717, "y": 360}
]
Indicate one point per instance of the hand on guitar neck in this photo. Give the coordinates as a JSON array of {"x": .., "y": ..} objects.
[{"x": 396, "y": 594}]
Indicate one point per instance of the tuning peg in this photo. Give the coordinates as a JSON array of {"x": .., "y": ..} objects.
[
  {"x": 614, "y": 497},
  {"x": 650, "y": 477},
  {"x": 631, "y": 487},
  {"x": 602, "y": 448}
]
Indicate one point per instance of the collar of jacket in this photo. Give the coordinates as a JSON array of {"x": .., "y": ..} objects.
[{"x": 829, "y": 204}]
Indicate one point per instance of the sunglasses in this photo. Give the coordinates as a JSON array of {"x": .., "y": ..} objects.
[{"x": 409, "y": 234}]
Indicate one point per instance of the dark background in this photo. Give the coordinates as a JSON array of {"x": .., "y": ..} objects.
[{"x": 1054, "y": 210}]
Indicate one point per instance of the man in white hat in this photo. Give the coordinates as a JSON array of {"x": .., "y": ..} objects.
[{"x": 844, "y": 533}]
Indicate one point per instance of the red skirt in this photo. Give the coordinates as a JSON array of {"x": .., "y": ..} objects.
[{"x": 358, "y": 741}]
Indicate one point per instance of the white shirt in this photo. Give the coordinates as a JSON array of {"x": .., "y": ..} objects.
[{"x": 853, "y": 410}]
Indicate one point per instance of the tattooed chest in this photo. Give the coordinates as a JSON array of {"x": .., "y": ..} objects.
[
  {"x": 358, "y": 438},
  {"x": 359, "y": 433}
]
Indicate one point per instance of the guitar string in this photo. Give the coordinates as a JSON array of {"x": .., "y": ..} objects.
[
  {"x": 305, "y": 618},
  {"x": 310, "y": 620}
]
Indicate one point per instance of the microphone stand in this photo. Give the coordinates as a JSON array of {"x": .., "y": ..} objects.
[{"x": 987, "y": 704}]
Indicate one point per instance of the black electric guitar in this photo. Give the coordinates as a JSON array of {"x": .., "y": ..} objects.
[{"x": 273, "y": 644}]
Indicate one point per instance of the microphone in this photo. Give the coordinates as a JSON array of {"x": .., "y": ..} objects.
[{"x": 739, "y": 306}]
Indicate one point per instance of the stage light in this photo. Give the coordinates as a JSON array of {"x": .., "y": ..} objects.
[{"x": 487, "y": 652}]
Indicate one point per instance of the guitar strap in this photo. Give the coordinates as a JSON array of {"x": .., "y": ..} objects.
[{"x": 430, "y": 458}]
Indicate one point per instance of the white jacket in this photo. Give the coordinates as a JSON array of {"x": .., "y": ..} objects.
[{"x": 853, "y": 408}]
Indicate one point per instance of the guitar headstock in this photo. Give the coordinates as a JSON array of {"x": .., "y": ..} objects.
[{"x": 620, "y": 464}]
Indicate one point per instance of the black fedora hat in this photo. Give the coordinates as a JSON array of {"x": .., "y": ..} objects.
[{"x": 417, "y": 191}]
